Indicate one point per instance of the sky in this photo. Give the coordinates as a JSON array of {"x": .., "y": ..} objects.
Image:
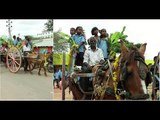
[
  {"x": 138, "y": 30},
  {"x": 23, "y": 27}
]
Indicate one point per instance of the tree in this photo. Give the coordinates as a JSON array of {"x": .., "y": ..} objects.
[
  {"x": 60, "y": 41},
  {"x": 49, "y": 25}
]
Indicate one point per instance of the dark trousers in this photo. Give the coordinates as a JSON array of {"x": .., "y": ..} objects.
[
  {"x": 105, "y": 59},
  {"x": 85, "y": 82},
  {"x": 57, "y": 82},
  {"x": 79, "y": 59},
  {"x": 25, "y": 61}
]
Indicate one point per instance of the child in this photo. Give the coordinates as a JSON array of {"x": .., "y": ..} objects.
[
  {"x": 72, "y": 31},
  {"x": 56, "y": 77},
  {"x": 80, "y": 41},
  {"x": 94, "y": 33},
  {"x": 103, "y": 43}
]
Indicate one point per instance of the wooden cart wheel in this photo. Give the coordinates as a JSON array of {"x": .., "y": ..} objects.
[{"x": 13, "y": 59}]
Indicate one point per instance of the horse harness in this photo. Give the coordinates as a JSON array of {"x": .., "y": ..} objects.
[
  {"x": 101, "y": 86},
  {"x": 142, "y": 74}
]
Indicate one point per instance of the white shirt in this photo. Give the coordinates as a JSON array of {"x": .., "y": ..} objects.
[
  {"x": 26, "y": 48},
  {"x": 93, "y": 57}
]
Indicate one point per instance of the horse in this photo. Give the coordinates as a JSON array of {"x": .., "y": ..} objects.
[
  {"x": 134, "y": 71},
  {"x": 37, "y": 59}
]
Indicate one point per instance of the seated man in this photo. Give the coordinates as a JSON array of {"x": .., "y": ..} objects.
[{"x": 92, "y": 56}]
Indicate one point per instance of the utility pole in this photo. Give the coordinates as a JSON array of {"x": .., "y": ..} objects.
[{"x": 9, "y": 27}]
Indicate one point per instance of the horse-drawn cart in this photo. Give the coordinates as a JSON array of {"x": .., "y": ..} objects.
[
  {"x": 15, "y": 60},
  {"x": 114, "y": 73}
]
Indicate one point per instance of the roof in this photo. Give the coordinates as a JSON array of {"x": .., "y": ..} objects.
[{"x": 44, "y": 42}]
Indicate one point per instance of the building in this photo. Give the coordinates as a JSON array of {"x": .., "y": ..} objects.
[{"x": 43, "y": 45}]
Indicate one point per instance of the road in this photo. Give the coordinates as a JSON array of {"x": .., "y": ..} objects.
[
  {"x": 25, "y": 86},
  {"x": 58, "y": 95}
]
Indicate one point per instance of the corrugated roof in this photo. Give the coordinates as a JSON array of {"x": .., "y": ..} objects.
[{"x": 45, "y": 42}]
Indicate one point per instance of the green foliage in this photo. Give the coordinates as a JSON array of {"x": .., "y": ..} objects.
[
  {"x": 5, "y": 40},
  {"x": 113, "y": 40},
  {"x": 60, "y": 41},
  {"x": 114, "y": 43}
]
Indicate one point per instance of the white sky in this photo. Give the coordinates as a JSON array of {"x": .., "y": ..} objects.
[
  {"x": 138, "y": 31},
  {"x": 23, "y": 27}
]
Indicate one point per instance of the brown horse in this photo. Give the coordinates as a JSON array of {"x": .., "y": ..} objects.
[
  {"x": 134, "y": 71},
  {"x": 37, "y": 59}
]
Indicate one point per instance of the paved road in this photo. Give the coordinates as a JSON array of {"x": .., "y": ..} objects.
[{"x": 25, "y": 86}]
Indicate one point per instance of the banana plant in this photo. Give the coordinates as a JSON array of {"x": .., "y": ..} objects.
[{"x": 113, "y": 41}]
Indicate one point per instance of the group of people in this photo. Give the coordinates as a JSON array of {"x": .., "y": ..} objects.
[
  {"x": 16, "y": 40},
  {"x": 98, "y": 50}
]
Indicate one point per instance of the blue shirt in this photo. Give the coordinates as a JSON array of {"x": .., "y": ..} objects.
[
  {"x": 102, "y": 44},
  {"x": 60, "y": 74},
  {"x": 78, "y": 40},
  {"x": 57, "y": 75},
  {"x": 15, "y": 41}
]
